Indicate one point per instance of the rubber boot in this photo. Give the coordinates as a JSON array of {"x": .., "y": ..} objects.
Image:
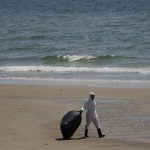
[
  {"x": 100, "y": 133},
  {"x": 86, "y": 133}
]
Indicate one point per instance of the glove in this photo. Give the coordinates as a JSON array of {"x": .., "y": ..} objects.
[{"x": 81, "y": 110}]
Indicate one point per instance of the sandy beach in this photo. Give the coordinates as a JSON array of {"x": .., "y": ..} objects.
[{"x": 30, "y": 116}]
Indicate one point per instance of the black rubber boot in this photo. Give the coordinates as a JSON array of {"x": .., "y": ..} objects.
[
  {"x": 86, "y": 133},
  {"x": 100, "y": 133}
]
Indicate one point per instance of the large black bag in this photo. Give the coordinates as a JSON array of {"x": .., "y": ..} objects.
[{"x": 69, "y": 123}]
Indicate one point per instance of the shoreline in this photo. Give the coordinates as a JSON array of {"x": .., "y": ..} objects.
[
  {"x": 30, "y": 116},
  {"x": 100, "y": 83}
]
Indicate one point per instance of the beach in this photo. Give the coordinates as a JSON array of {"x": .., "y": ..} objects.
[
  {"x": 30, "y": 117},
  {"x": 53, "y": 53}
]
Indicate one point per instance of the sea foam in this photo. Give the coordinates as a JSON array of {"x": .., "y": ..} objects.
[{"x": 57, "y": 69}]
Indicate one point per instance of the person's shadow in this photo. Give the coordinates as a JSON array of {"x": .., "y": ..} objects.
[{"x": 65, "y": 139}]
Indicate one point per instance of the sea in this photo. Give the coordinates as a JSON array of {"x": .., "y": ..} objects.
[{"x": 103, "y": 43}]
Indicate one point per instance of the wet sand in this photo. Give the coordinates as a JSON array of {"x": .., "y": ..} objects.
[{"x": 30, "y": 117}]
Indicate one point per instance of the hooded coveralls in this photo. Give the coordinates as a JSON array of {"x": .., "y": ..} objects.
[{"x": 91, "y": 114}]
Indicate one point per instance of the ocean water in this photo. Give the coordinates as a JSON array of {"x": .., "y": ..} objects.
[{"x": 99, "y": 41}]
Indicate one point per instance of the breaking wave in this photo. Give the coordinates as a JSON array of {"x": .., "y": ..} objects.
[{"x": 82, "y": 58}]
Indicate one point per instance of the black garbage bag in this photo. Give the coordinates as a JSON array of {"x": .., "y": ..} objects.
[{"x": 69, "y": 123}]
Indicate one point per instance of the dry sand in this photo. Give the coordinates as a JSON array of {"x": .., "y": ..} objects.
[{"x": 30, "y": 117}]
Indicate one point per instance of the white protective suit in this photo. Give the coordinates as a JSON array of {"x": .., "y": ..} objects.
[{"x": 91, "y": 114}]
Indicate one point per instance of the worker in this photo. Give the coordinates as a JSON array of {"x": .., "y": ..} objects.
[{"x": 91, "y": 115}]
